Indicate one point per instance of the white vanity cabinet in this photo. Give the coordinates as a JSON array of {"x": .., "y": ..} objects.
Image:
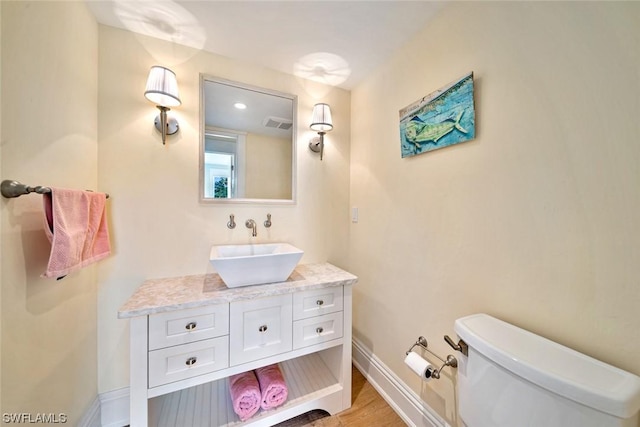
[
  {"x": 188, "y": 343},
  {"x": 318, "y": 316},
  {"x": 260, "y": 328},
  {"x": 182, "y": 353},
  {"x": 185, "y": 326}
]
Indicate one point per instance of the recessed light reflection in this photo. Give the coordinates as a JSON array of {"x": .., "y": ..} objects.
[{"x": 240, "y": 106}]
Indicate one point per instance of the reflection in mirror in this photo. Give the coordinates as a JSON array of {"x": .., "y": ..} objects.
[{"x": 248, "y": 143}]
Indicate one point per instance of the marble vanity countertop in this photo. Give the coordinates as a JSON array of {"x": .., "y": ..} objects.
[{"x": 177, "y": 293}]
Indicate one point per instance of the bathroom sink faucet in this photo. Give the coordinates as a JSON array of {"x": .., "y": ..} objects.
[{"x": 252, "y": 224}]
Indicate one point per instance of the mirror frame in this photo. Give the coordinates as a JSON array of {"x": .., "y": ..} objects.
[{"x": 294, "y": 101}]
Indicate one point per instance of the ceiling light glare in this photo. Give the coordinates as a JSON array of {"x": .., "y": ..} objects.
[
  {"x": 165, "y": 20},
  {"x": 323, "y": 67},
  {"x": 240, "y": 106}
]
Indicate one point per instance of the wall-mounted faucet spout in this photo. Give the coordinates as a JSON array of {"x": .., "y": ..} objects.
[{"x": 252, "y": 224}]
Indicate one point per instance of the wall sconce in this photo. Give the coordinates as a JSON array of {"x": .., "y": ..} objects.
[
  {"x": 321, "y": 123},
  {"x": 162, "y": 90}
]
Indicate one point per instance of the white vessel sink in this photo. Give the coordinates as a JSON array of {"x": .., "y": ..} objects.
[{"x": 243, "y": 265}]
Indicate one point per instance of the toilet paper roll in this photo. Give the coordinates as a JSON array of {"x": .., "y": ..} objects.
[{"x": 419, "y": 365}]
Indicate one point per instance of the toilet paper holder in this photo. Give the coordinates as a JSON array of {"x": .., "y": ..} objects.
[{"x": 450, "y": 361}]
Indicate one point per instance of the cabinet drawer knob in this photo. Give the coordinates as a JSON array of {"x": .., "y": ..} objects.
[
  {"x": 191, "y": 361},
  {"x": 262, "y": 328},
  {"x": 319, "y": 302},
  {"x": 319, "y": 329},
  {"x": 191, "y": 326}
]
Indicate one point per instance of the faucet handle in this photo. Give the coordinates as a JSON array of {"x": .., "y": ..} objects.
[
  {"x": 231, "y": 224},
  {"x": 267, "y": 223}
]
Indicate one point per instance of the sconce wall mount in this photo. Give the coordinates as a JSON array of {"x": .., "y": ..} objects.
[
  {"x": 170, "y": 124},
  {"x": 162, "y": 90},
  {"x": 320, "y": 122}
]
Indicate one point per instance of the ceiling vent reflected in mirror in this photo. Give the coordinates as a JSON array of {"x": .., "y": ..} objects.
[{"x": 277, "y": 122}]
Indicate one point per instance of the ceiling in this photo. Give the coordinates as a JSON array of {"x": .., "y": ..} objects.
[{"x": 334, "y": 42}]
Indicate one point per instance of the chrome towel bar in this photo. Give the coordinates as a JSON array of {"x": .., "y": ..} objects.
[{"x": 12, "y": 189}]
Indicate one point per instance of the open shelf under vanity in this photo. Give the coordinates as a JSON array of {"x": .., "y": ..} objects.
[{"x": 308, "y": 380}]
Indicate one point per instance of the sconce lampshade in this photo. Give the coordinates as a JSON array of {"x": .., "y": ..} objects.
[
  {"x": 321, "y": 119},
  {"x": 162, "y": 87}
]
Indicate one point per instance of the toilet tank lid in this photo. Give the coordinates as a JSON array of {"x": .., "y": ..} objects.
[{"x": 552, "y": 366}]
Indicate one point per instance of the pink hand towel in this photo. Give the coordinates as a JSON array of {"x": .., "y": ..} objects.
[
  {"x": 274, "y": 389},
  {"x": 245, "y": 394},
  {"x": 76, "y": 225}
]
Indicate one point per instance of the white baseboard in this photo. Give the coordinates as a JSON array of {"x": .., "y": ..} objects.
[
  {"x": 114, "y": 408},
  {"x": 92, "y": 417},
  {"x": 398, "y": 395},
  {"x": 111, "y": 409}
]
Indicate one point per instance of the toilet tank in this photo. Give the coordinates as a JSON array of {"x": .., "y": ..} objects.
[{"x": 514, "y": 378}]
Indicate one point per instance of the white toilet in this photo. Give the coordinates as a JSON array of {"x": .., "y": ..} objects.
[{"x": 513, "y": 378}]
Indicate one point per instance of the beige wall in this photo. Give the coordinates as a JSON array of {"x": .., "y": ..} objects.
[
  {"x": 49, "y": 137},
  {"x": 158, "y": 227},
  {"x": 536, "y": 221}
]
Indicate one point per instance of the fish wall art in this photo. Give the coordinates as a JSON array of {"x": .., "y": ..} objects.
[{"x": 442, "y": 118}]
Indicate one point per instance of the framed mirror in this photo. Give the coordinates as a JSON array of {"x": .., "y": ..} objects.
[{"x": 248, "y": 143}]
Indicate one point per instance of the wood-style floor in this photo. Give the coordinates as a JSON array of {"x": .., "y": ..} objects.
[{"x": 368, "y": 409}]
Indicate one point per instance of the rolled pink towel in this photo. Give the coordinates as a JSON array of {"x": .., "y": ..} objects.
[
  {"x": 245, "y": 394},
  {"x": 274, "y": 389}
]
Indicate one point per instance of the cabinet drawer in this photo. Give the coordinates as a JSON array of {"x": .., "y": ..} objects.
[
  {"x": 185, "y": 326},
  {"x": 317, "y": 302},
  {"x": 260, "y": 328},
  {"x": 189, "y": 360},
  {"x": 316, "y": 330}
]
